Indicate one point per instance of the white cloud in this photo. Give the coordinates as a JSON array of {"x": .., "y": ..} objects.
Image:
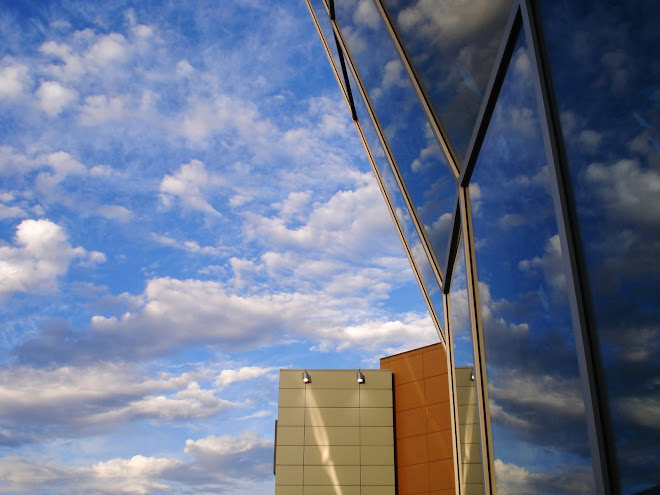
[
  {"x": 552, "y": 265},
  {"x": 72, "y": 400},
  {"x": 108, "y": 49},
  {"x": 42, "y": 254},
  {"x": 53, "y": 97},
  {"x": 116, "y": 212},
  {"x": 14, "y": 79},
  {"x": 227, "y": 377},
  {"x": 72, "y": 65},
  {"x": 187, "y": 185},
  {"x": 101, "y": 108},
  {"x": 215, "y": 463},
  {"x": 516, "y": 480},
  {"x": 627, "y": 191}
]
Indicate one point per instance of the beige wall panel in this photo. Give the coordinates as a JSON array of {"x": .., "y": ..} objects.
[
  {"x": 289, "y": 475},
  {"x": 333, "y": 379},
  {"x": 338, "y": 455},
  {"x": 376, "y": 435},
  {"x": 463, "y": 376},
  {"x": 332, "y": 475},
  {"x": 465, "y": 395},
  {"x": 291, "y": 397},
  {"x": 376, "y": 398},
  {"x": 473, "y": 489},
  {"x": 467, "y": 414},
  {"x": 377, "y": 490},
  {"x": 472, "y": 474},
  {"x": 291, "y": 416},
  {"x": 471, "y": 453},
  {"x": 469, "y": 433},
  {"x": 332, "y": 416},
  {"x": 377, "y": 475},
  {"x": 288, "y": 490},
  {"x": 331, "y": 490},
  {"x": 291, "y": 379},
  {"x": 376, "y": 416},
  {"x": 332, "y": 435},
  {"x": 377, "y": 455},
  {"x": 375, "y": 379},
  {"x": 291, "y": 455},
  {"x": 290, "y": 435},
  {"x": 332, "y": 398}
]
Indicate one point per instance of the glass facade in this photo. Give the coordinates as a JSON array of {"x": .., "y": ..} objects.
[{"x": 517, "y": 145}]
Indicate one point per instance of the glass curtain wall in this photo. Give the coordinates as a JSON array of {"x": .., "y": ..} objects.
[{"x": 529, "y": 217}]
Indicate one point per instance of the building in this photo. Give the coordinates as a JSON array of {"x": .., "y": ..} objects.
[
  {"x": 387, "y": 431},
  {"x": 517, "y": 146}
]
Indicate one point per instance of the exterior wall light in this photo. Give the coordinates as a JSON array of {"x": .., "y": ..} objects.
[
  {"x": 360, "y": 377},
  {"x": 306, "y": 377}
]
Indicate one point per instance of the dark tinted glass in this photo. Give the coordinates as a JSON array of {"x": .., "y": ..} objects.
[
  {"x": 453, "y": 46},
  {"x": 606, "y": 73},
  {"x": 536, "y": 404},
  {"x": 420, "y": 159},
  {"x": 421, "y": 260}
]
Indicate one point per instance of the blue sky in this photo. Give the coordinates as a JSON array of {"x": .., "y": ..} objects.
[{"x": 185, "y": 208}]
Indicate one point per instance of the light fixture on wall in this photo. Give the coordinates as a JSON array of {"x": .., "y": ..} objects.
[
  {"x": 306, "y": 377},
  {"x": 360, "y": 377}
]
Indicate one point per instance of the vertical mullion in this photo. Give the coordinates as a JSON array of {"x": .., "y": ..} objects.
[
  {"x": 478, "y": 348},
  {"x": 586, "y": 339}
]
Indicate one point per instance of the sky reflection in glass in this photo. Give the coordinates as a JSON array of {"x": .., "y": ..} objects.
[
  {"x": 420, "y": 258},
  {"x": 454, "y": 49},
  {"x": 421, "y": 161},
  {"x": 532, "y": 371},
  {"x": 611, "y": 129}
]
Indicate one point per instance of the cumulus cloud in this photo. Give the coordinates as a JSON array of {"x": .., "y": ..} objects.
[
  {"x": 52, "y": 97},
  {"x": 517, "y": 480},
  {"x": 41, "y": 254},
  {"x": 73, "y": 401},
  {"x": 628, "y": 191},
  {"x": 187, "y": 185},
  {"x": 227, "y": 377},
  {"x": 214, "y": 463},
  {"x": 14, "y": 79}
]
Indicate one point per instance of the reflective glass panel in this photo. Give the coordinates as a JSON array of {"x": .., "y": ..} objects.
[
  {"x": 606, "y": 73},
  {"x": 420, "y": 159},
  {"x": 420, "y": 259},
  {"x": 535, "y": 397},
  {"x": 326, "y": 27},
  {"x": 453, "y": 46},
  {"x": 466, "y": 396}
]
